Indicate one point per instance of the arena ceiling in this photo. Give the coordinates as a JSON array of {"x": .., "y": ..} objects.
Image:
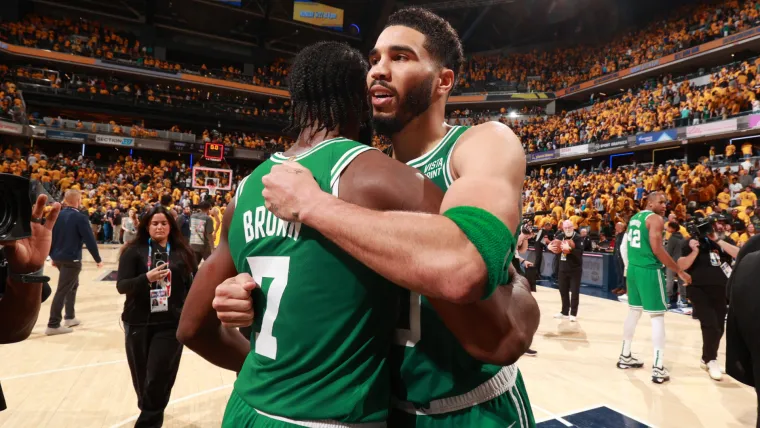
[{"x": 484, "y": 25}]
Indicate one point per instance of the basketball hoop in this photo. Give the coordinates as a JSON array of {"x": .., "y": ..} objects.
[{"x": 211, "y": 189}]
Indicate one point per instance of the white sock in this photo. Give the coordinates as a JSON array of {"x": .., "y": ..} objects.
[
  {"x": 629, "y": 328},
  {"x": 658, "y": 339}
]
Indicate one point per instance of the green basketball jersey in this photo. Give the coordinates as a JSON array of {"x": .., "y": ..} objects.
[
  {"x": 324, "y": 322},
  {"x": 639, "y": 250},
  {"x": 430, "y": 364}
]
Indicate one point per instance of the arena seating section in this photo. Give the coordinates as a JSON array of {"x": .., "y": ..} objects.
[{"x": 664, "y": 102}]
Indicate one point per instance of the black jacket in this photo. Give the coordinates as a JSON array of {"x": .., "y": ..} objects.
[
  {"x": 132, "y": 280},
  {"x": 703, "y": 272},
  {"x": 573, "y": 261}
]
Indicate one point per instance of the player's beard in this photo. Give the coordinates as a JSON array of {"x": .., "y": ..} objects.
[{"x": 416, "y": 102}]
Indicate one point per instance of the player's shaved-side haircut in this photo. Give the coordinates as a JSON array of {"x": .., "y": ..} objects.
[{"x": 441, "y": 39}]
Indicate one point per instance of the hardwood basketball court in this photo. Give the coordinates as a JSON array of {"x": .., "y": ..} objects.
[{"x": 82, "y": 379}]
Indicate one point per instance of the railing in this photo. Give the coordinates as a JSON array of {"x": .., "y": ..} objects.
[{"x": 109, "y": 129}]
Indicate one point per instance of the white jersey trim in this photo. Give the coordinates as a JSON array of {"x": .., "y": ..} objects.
[
  {"x": 280, "y": 157},
  {"x": 323, "y": 423},
  {"x": 498, "y": 385},
  {"x": 427, "y": 156},
  {"x": 344, "y": 162}
]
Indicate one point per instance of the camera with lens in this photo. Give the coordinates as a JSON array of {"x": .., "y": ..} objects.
[
  {"x": 17, "y": 196},
  {"x": 703, "y": 226}
]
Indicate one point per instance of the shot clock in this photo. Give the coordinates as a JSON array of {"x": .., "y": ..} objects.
[{"x": 214, "y": 151}]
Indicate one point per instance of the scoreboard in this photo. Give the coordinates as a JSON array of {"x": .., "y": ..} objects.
[{"x": 212, "y": 151}]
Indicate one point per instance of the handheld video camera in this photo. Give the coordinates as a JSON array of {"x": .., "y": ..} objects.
[
  {"x": 703, "y": 226},
  {"x": 17, "y": 196}
]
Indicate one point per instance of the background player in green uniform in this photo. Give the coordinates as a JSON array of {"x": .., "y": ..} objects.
[
  {"x": 324, "y": 322},
  {"x": 646, "y": 283},
  {"x": 455, "y": 259}
]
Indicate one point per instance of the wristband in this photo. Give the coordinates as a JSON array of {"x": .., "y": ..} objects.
[
  {"x": 29, "y": 278},
  {"x": 491, "y": 237}
]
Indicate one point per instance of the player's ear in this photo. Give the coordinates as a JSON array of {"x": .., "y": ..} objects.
[{"x": 445, "y": 81}]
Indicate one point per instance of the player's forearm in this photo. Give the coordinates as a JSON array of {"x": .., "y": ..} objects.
[
  {"x": 424, "y": 253},
  {"x": 19, "y": 309},
  {"x": 223, "y": 347},
  {"x": 498, "y": 330}
]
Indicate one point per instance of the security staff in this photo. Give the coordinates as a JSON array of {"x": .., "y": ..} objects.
[
  {"x": 708, "y": 260},
  {"x": 570, "y": 253}
]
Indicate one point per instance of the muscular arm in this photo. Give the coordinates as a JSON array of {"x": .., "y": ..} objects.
[
  {"x": 199, "y": 328},
  {"x": 497, "y": 330},
  {"x": 19, "y": 309},
  {"x": 655, "y": 225},
  {"x": 426, "y": 253}
]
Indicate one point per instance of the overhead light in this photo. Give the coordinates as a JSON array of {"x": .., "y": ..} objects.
[
  {"x": 513, "y": 114},
  {"x": 602, "y": 94},
  {"x": 732, "y": 55},
  {"x": 586, "y": 159}
]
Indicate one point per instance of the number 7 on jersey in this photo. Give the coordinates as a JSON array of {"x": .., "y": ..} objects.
[{"x": 276, "y": 268}]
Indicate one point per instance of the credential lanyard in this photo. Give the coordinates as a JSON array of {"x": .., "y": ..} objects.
[
  {"x": 168, "y": 284},
  {"x": 150, "y": 252}
]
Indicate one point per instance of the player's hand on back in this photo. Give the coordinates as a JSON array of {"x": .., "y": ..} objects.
[
  {"x": 232, "y": 301},
  {"x": 289, "y": 190},
  {"x": 685, "y": 277}
]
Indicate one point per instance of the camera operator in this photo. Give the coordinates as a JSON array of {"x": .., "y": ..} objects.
[
  {"x": 155, "y": 272},
  {"x": 20, "y": 301},
  {"x": 707, "y": 257}
]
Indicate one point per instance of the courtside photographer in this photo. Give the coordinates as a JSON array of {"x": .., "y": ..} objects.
[
  {"x": 707, "y": 257},
  {"x": 25, "y": 235}
]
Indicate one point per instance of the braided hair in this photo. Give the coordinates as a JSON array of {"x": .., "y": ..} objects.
[{"x": 328, "y": 89}]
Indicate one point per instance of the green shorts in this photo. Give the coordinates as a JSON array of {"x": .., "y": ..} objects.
[
  {"x": 509, "y": 410},
  {"x": 239, "y": 414},
  {"x": 646, "y": 289}
]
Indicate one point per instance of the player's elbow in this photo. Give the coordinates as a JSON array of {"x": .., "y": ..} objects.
[
  {"x": 189, "y": 333},
  {"x": 15, "y": 336},
  {"x": 503, "y": 351},
  {"x": 460, "y": 281}
]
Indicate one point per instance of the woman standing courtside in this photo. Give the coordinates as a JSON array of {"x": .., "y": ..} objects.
[
  {"x": 129, "y": 225},
  {"x": 155, "y": 272}
]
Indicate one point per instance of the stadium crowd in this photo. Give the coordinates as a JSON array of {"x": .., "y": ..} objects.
[
  {"x": 658, "y": 104},
  {"x": 565, "y": 66},
  {"x": 599, "y": 199},
  {"x": 92, "y": 39},
  {"x": 112, "y": 189}
]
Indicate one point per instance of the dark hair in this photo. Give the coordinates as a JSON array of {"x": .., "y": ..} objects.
[
  {"x": 674, "y": 225},
  {"x": 166, "y": 200},
  {"x": 441, "y": 39},
  {"x": 178, "y": 242},
  {"x": 328, "y": 88}
]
